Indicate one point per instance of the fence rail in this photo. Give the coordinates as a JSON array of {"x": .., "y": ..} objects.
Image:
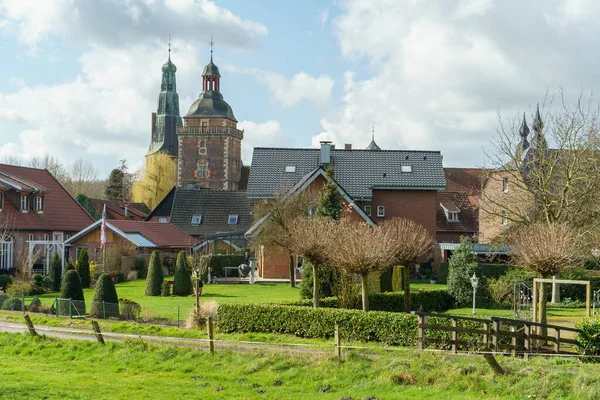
[{"x": 497, "y": 334}]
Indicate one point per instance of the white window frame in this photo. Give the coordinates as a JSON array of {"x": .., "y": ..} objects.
[
  {"x": 202, "y": 171},
  {"x": 453, "y": 216},
  {"x": 504, "y": 217},
  {"x": 39, "y": 204},
  {"x": 162, "y": 220},
  {"x": 46, "y": 236},
  {"x": 505, "y": 185},
  {"x": 24, "y": 203},
  {"x": 7, "y": 254},
  {"x": 233, "y": 219},
  {"x": 367, "y": 209},
  {"x": 196, "y": 219},
  {"x": 380, "y": 211},
  {"x": 31, "y": 237}
]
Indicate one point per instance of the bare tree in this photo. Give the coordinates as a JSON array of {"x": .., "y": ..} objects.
[
  {"x": 546, "y": 249},
  {"x": 52, "y": 164},
  {"x": 277, "y": 216},
  {"x": 312, "y": 238},
  {"x": 83, "y": 179}
]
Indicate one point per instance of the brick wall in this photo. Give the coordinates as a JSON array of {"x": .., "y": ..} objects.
[{"x": 416, "y": 205}]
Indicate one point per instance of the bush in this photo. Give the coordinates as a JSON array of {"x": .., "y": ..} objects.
[
  {"x": 140, "y": 268},
  {"x": 13, "y": 303},
  {"x": 3, "y": 298},
  {"x": 443, "y": 273},
  {"x": 5, "y": 280},
  {"x": 106, "y": 302},
  {"x": 182, "y": 283},
  {"x": 389, "y": 328},
  {"x": 502, "y": 289},
  {"x": 386, "y": 280},
  {"x": 328, "y": 280},
  {"x": 493, "y": 271},
  {"x": 165, "y": 289},
  {"x": 55, "y": 272},
  {"x": 20, "y": 287},
  {"x": 83, "y": 268},
  {"x": 461, "y": 268},
  {"x": 70, "y": 288},
  {"x": 35, "y": 305},
  {"x": 39, "y": 284},
  {"x": 588, "y": 341},
  {"x": 154, "y": 280},
  {"x": 130, "y": 309}
]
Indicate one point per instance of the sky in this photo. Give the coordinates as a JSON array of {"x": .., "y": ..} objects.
[{"x": 80, "y": 79}]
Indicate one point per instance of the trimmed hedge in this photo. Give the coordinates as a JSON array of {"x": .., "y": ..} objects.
[
  {"x": 432, "y": 300},
  {"x": 105, "y": 293},
  {"x": 83, "y": 268},
  {"x": 389, "y": 328},
  {"x": 70, "y": 288},
  {"x": 442, "y": 273},
  {"x": 13, "y": 303},
  {"x": 3, "y": 298},
  {"x": 154, "y": 279},
  {"x": 182, "y": 283}
]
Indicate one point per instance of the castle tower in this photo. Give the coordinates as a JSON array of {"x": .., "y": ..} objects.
[
  {"x": 210, "y": 145},
  {"x": 166, "y": 119}
]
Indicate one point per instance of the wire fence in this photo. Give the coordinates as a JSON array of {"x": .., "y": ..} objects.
[{"x": 125, "y": 310}]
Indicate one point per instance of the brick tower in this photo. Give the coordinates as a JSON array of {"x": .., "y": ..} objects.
[{"x": 210, "y": 145}]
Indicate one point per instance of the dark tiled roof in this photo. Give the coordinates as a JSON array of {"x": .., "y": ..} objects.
[
  {"x": 358, "y": 171},
  {"x": 466, "y": 180},
  {"x": 61, "y": 211},
  {"x": 215, "y": 206},
  {"x": 467, "y": 218},
  {"x": 164, "y": 235}
]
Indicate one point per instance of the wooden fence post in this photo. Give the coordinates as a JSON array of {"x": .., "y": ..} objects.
[
  {"x": 30, "y": 325},
  {"x": 496, "y": 327},
  {"x": 556, "y": 340},
  {"x": 97, "y": 331},
  {"x": 513, "y": 352},
  {"x": 486, "y": 328},
  {"x": 527, "y": 340},
  {"x": 211, "y": 335},
  {"x": 588, "y": 300},
  {"x": 491, "y": 360},
  {"x": 421, "y": 331},
  {"x": 336, "y": 336},
  {"x": 454, "y": 335}
]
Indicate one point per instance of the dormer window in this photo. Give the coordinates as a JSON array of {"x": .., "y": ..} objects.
[
  {"x": 162, "y": 220},
  {"x": 233, "y": 219},
  {"x": 452, "y": 216},
  {"x": 23, "y": 203},
  {"x": 196, "y": 219},
  {"x": 39, "y": 204},
  {"x": 451, "y": 211}
]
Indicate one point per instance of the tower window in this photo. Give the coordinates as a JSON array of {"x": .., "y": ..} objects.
[
  {"x": 202, "y": 146},
  {"x": 202, "y": 171}
]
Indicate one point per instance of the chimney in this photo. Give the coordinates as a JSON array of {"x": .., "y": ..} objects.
[
  {"x": 325, "y": 153},
  {"x": 348, "y": 146},
  {"x": 126, "y": 214}
]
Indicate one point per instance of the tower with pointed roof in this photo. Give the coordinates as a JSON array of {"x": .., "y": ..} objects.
[
  {"x": 373, "y": 145},
  {"x": 524, "y": 133},
  {"x": 210, "y": 145},
  {"x": 166, "y": 119},
  {"x": 538, "y": 141}
]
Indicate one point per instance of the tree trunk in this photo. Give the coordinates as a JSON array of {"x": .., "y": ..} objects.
[
  {"x": 543, "y": 301},
  {"x": 292, "y": 271},
  {"x": 406, "y": 283},
  {"x": 365, "y": 292},
  {"x": 315, "y": 286}
]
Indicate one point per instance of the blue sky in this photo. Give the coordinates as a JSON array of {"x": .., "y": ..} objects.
[{"x": 80, "y": 79}]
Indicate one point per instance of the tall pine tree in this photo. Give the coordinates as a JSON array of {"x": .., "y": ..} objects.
[{"x": 114, "y": 188}]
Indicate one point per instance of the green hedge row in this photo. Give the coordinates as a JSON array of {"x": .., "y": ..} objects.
[
  {"x": 389, "y": 328},
  {"x": 492, "y": 271},
  {"x": 428, "y": 301}
]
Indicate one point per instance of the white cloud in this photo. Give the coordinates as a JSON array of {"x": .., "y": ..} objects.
[
  {"x": 323, "y": 16},
  {"x": 262, "y": 134},
  {"x": 468, "y": 8},
  {"x": 288, "y": 92}
]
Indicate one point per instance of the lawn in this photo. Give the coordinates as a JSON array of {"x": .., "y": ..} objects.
[
  {"x": 34, "y": 368},
  {"x": 221, "y": 293}
]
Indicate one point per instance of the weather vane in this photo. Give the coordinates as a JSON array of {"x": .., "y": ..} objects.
[
  {"x": 211, "y": 46},
  {"x": 373, "y": 131},
  {"x": 169, "y": 46}
]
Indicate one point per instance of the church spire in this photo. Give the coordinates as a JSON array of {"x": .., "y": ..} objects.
[
  {"x": 524, "y": 133},
  {"x": 538, "y": 139}
]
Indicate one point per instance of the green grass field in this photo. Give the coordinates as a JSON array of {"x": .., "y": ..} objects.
[{"x": 44, "y": 368}]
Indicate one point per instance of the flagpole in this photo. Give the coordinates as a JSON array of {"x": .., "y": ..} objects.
[{"x": 103, "y": 238}]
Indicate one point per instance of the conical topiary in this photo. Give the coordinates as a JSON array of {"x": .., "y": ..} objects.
[
  {"x": 154, "y": 279},
  {"x": 70, "y": 288},
  {"x": 83, "y": 268},
  {"x": 55, "y": 272},
  {"x": 106, "y": 301},
  {"x": 182, "y": 283}
]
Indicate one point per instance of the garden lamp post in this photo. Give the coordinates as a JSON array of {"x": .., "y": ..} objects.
[{"x": 474, "y": 283}]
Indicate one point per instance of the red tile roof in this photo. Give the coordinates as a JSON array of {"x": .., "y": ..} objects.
[
  {"x": 61, "y": 211},
  {"x": 467, "y": 218},
  {"x": 135, "y": 210},
  {"x": 466, "y": 180},
  {"x": 164, "y": 235}
]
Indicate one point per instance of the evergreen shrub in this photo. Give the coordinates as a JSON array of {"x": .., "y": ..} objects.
[
  {"x": 5, "y": 280},
  {"x": 154, "y": 279},
  {"x": 3, "y": 298},
  {"x": 389, "y": 328},
  {"x": 83, "y": 268},
  {"x": 106, "y": 302},
  {"x": 328, "y": 281},
  {"x": 35, "y": 305},
  {"x": 70, "y": 288},
  {"x": 55, "y": 272},
  {"x": 462, "y": 265},
  {"x": 165, "y": 289},
  {"x": 13, "y": 304},
  {"x": 182, "y": 283}
]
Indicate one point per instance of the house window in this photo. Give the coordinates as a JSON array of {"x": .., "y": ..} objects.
[
  {"x": 162, "y": 220},
  {"x": 233, "y": 219},
  {"x": 202, "y": 171},
  {"x": 381, "y": 211},
  {"x": 46, "y": 236},
  {"x": 368, "y": 210},
  {"x": 504, "y": 217},
  {"x": 196, "y": 219},
  {"x": 39, "y": 204},
  {"x": 6, "y": 254},
  {"x": 1, "y": 201},
  {"x": 31, "y": 237},
  {"x": 290, "y": 168},
  {"x": 406, "y": 168},
  {"x": 505, "y": 185},
  {"x": 452, "y": 216},
  {"x": 24, "y": 203},
  {"x": 202, "y": 146}
]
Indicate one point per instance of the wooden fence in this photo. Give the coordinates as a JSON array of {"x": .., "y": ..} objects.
[{"x": 495, "y": 334}]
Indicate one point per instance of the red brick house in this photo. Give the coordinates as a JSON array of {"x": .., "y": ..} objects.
[
  {"x": 35, "y": 207},
  {"x": 378, "y": 184}
]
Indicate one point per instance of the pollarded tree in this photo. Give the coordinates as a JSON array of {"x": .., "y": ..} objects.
[
  {"x": 406, "y": 242},
  {"x": 182, "y": 283},
  {"x": 310, "y": 237},
  {"x": 83, "y": 268},
  {"x": 70, "y": 288},
  {"x": 106, "y": 302},
  {"x": 546, "y": 249},
  {"x": 155, "y": 278}
]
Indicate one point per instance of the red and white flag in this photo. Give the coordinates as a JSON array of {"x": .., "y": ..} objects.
[{"x": 103, "y": 229}]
